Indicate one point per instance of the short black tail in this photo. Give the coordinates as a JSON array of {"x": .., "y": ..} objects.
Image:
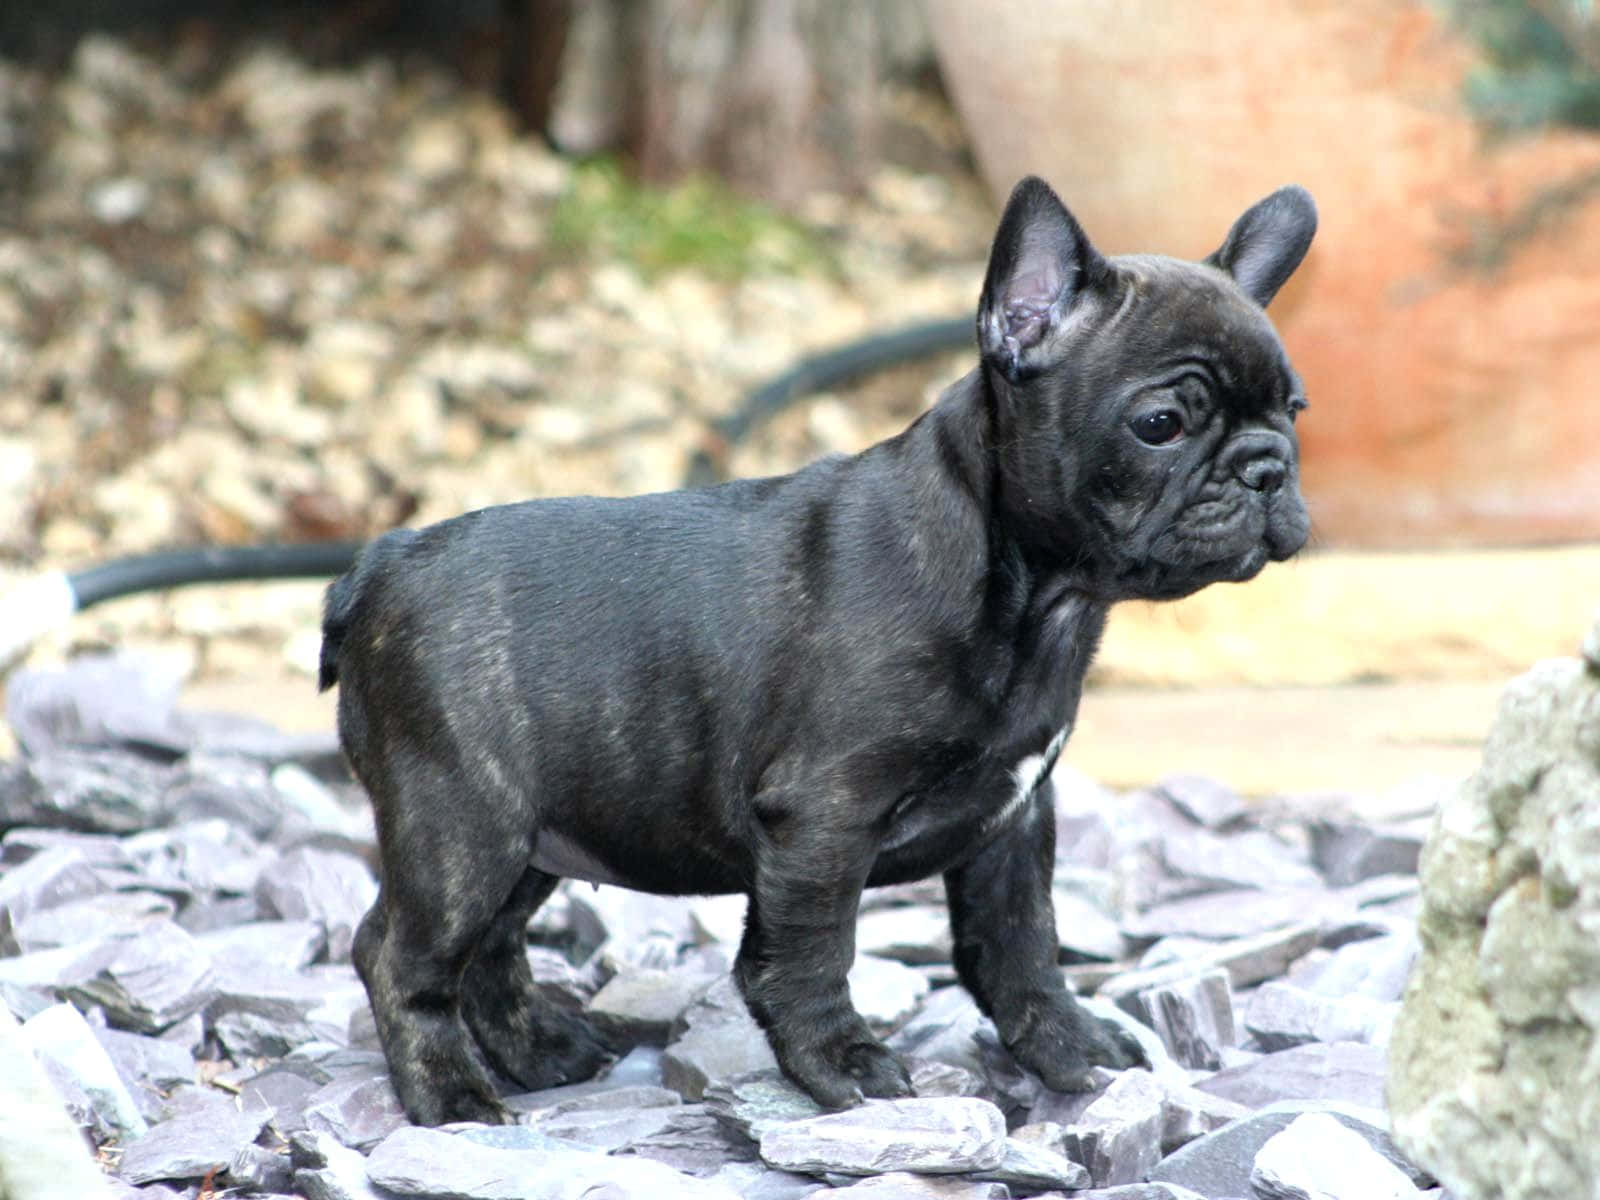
[
  {"x": 347, "y": 593},
  {"x": 338, "y": 607}
]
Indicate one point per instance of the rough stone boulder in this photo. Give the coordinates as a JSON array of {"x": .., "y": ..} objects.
[{"x": 1494, "y": 1081}]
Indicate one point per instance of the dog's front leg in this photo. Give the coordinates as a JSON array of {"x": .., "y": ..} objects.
[
  {"x": 799, "y": 943},
  {"x": 1003, "y": 920}
]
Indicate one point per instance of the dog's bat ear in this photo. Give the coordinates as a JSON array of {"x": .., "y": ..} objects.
[
  {"x": 1040, "y": 264},
  {"x": 1267, "y": 243}
]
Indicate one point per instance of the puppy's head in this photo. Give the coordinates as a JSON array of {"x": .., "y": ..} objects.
[{"x": 1143, "y": 406}]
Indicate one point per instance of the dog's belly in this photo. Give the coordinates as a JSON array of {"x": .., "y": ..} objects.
[
  {"x": 558, "y": 854},
  {"x": 659, "y": 859}
]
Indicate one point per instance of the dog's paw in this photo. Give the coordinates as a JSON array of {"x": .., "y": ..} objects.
[
  {"x": 1062, "y": 1050},
  {"x": 843, "y": 1073},
  {"x": 1120, "y": 1050},
  {"x": 545, "y": 1047},
  {"x": 572, "y": 1051},
  {"x": 444, "y": 1106}
]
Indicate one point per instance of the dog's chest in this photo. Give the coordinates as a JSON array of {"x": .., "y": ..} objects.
[
  {"x": 960, "y": 809},
  {"x": 1026, "y": 777}
]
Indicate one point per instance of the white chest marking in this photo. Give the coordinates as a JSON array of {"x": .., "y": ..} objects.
[{"x": 1027, "y": 775}]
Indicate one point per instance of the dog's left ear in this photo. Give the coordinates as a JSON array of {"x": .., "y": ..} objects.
[
  {"x": 1267, "y": 243},
  {"x": 1039, "y": 266}
]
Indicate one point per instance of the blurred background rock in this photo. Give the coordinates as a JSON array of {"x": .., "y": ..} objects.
[{"x": 293, "y": 272}]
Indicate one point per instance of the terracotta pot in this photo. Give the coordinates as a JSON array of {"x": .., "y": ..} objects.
[{"x": 1447, "y": 321}]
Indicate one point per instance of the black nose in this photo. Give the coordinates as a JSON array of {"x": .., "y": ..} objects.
[{"x": 1263, "y": 473}]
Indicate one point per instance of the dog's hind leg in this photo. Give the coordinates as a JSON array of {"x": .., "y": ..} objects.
[
  {"x": 444, "y": 883},
  {"x": 524, "y": 1036}
]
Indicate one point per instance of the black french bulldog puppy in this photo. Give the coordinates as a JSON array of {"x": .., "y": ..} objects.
[{"x": 799, "y": 687}]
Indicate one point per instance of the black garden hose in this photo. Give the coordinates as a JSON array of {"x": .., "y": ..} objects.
[
  {"x": 47, "y": 601},
  {"x": 209, "y": 564},
  {"x": 830, "y": 369}
]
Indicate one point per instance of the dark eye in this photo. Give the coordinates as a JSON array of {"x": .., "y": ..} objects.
[{"x": 1159, "y": 427}]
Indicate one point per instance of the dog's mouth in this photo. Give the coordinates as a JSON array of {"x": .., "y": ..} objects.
[
  {"x": 1174, "y": 580},
  {"x": 1219, "y": 543}
]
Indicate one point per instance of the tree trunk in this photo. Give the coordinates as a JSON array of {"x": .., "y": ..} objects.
[{"x": 777, "y": 96}]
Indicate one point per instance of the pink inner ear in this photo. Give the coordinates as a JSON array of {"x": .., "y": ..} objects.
[
  {"x": 1036, "y": 288},
  {"x": 1027, "y": 308}
]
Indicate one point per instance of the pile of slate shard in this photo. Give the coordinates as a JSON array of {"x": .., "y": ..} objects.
[{"x": 178, "y": 892}]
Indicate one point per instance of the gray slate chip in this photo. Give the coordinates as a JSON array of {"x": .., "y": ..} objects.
[
  {"x": 325, "y": 1170},
  {"x": 721, "y": 1041},
  {"x": 1032, "y": 1168},
  {"x": 756, "y": 1181},
  {"x": 1084, "y": 931},
  {"x": 109, "y": 914},
  {"x": 506, "y": 1137},
  {"x": 285, "y": 1091},
  {"x": 1118, "y": 1135},
  {"x": 1347, "y": 852},
  {"x": 330, "y": 888},
  {"x": 1279, "y": 1015},
  {"x": 268, "y": 1013},
  {"x": 93, "y": 700},
  {"x": 596, "y": 1095},
  {"x": 937, "y": 1136},
  {"x": 755, "y": 1102},
  {"x": 188, "y": 1146},
  {"x": 413, "y": 1161},
  {"x": 912, "y": 934},
  {"x": 1236, "y": 913},
  {"x": 900, "y": 1185},
  {"x": 1316, "y": 1156},
  {"x": 642, "y": 1004},
  {"x": 265, "y": 945},
  {"x": 200, "y": 859},
  {"x": 359, "y": 1112},
  {"x": 944, "y": 1030},
  {"x": 1193, "y": 1016},
  {"x": 1344, "y": 1071},
  {"x": 148, "y": 1066},
  {"x": 237, "y": 790},
  {"x": 1248, "y": 961},
  {"x": 256, "y": 1169},
  {"x": 694, "y": 1142},
  {"x": 605, "y": 1130},
  {"x": 1220, "y": 1163},
  {"x": 91, "y": 791},
  {"x": 1197, "y": 860},
  {"x": 1204, "y": 801},
  {"x": 48, "y": 879},
  {"x": 1376, "y": 968},
  {"x": 65, "y": 1041},
  {"x": 884, "y": 992},
  {"x": 149, "y": 982}
]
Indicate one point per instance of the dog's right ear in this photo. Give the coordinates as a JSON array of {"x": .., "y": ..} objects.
[
  {"x": 1039, "y": 265},
  {"x": 1268, "y": 242}
]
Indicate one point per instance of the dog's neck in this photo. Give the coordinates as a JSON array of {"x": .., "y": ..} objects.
[{"x": 1035, "y": 599}]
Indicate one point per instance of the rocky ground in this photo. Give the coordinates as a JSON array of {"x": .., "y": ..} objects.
[
  {"x": 179, "y": 889},
  {"x": 249, "y": 295}
]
